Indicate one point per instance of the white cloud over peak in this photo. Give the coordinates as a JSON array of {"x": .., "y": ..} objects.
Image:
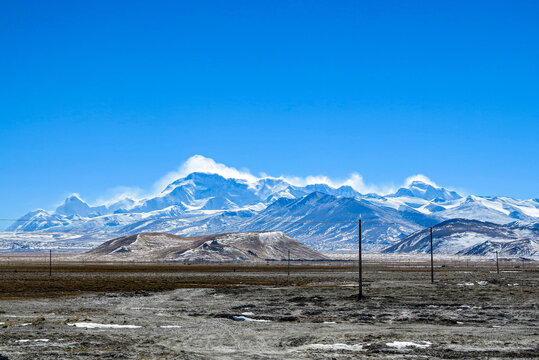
[
  {"x": 120, "y": 193},
  {"x": 355, "y": 181},
  {"x": 419, "y": 177},
  {"x": 202, "y": 164}
]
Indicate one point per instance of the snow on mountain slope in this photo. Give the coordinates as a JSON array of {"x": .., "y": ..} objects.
[
  {"x": 494, "y": 209},
  {"x": 199, "y": 191},
  {"x": 45, "y": 241},
  {"x": 319, "y": 215},
  {"x": 422, "y": 190},
  {"x": 501, "y": 210},
  {"x": 527, "y": 248},
  {"x": 75, "y": 206},
  {"x": 328, "y": 222},
  {"x": 472, "y": 237}
]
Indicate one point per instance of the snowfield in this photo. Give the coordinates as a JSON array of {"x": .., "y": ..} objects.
[
  {"x": 89, "y": 325},
  {"x": 406, "y": 344}
]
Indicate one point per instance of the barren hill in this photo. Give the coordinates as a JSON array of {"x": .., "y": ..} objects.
[{"x": 246, "y": 246}]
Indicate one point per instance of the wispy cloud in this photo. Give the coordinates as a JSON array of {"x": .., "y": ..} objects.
[
  {"x": 419, "y": 177},
  {"x": 199, "y": 163},
  {"x": 121, "y": 192},
  {"x": 355, "y": 181}
]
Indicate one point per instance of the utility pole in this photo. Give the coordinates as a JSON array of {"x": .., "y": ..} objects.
[
  {"x": 288, "y": 278},
  {"x": 360, "y": 292},
  {"x": 497, "y": 265},
  {"x": 431, "y": 260},
  {"x": 50, "y": 262}
]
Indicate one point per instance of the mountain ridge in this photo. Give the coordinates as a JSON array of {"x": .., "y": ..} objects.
[
  {"x": 320, "y": 215},
  {"x": 472, "y": 237}
]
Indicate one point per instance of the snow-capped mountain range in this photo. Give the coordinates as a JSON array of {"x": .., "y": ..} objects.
[{"x": 319, "y": 215}]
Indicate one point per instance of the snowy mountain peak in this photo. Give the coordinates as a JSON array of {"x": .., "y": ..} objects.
[
  {"x": 74, "y": 205},
  {"x": 198, "y": 179},
  {"x": 426, "y": 191},
  {"x": 36, "y": 213}
]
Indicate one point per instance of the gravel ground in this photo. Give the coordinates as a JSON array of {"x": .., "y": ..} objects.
[{"x": 467, "y": 313}]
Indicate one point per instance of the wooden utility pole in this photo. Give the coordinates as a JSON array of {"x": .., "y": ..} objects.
[
  {"x": 431, "y": 260},
  {"x": 497, "y": 265},
  {"x": 360, "y": 291},
  {"x": 288, "y": 278},
  {"x": 50, "y": 262}
]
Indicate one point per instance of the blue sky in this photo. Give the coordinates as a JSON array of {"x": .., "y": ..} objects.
[{"x": 97, "y": 95}]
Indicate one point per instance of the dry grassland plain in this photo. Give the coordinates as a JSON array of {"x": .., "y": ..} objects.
[{"x": 238, "y": 311}]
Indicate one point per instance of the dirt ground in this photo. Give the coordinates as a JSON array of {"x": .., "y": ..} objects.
[{"x": 152, "y": 311}]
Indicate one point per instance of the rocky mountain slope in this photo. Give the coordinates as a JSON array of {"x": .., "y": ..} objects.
[
  {"x": 472, "y": 237},
  {"x": 231, "y": 247}
]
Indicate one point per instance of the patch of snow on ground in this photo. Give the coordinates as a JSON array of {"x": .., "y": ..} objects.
[
  {"x": 170, "y": 326},
  {"x": 405, "y": 344},
  {"x": 36, "y": 340},
  {"x": 248, "y": 313},
  {"x": 270, "y": 238},
  {"x": 244, "y": 318},
  {"x": 482, "y": 282},
  {"x": 331, "y": 347},
  {"x": 89, "y": 325}
]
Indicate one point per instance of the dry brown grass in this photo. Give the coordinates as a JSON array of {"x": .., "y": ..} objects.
[{"x": 30, "y": 279}]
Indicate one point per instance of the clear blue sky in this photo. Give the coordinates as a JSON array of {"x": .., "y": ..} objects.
[{"x": 99, "y": 94}]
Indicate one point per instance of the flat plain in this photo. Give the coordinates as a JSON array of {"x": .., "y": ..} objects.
[{"x": 257, "y": 311}]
